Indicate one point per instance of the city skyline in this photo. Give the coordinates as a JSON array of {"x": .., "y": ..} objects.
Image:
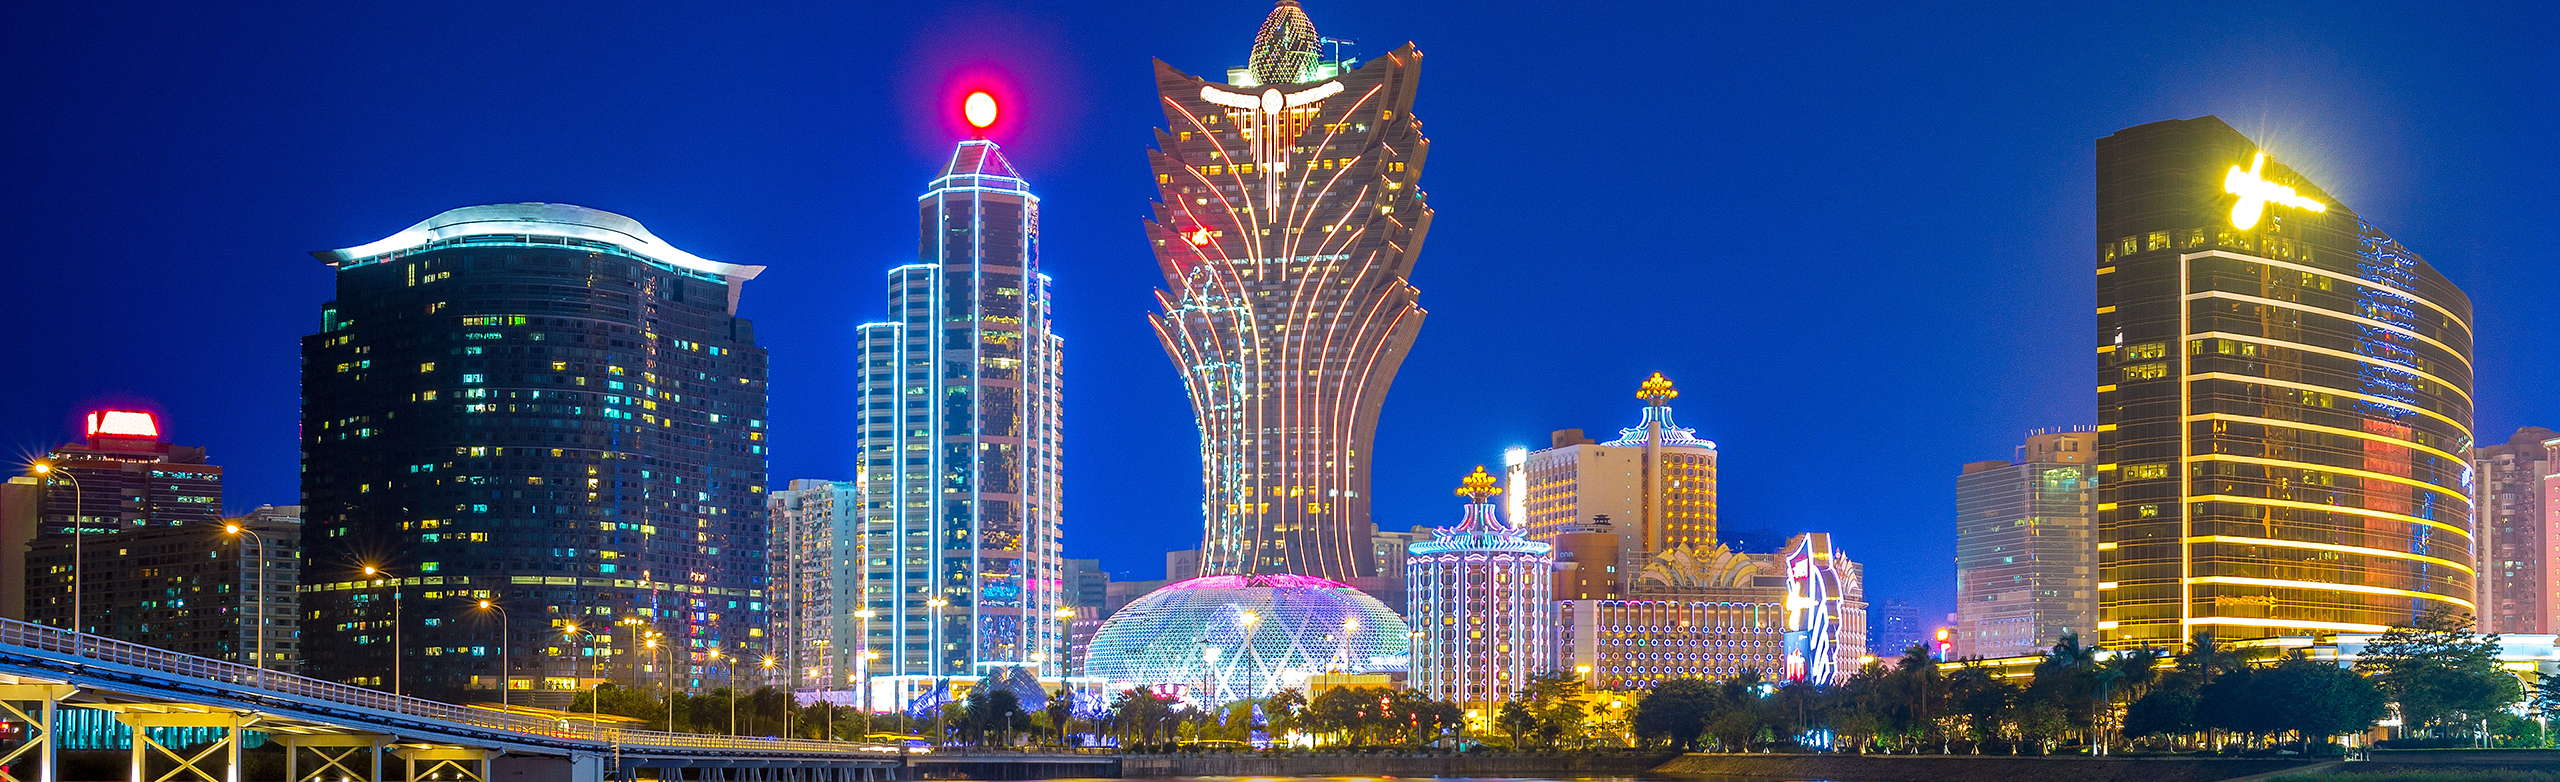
[{"x": 2457, "y": 193}]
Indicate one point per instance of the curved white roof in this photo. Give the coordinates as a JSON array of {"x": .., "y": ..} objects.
[{"x": 537, "y": 219}]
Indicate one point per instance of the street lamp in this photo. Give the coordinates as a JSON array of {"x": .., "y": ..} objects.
[
  {"x": 77, "y": 539},
  {"x": 506, "y": 669},
  {"x": 862, "y": 660},
  {"x": 370, "y": 572},
  {"x": 235, "y": 528},
  {"x": 1066, "y": 639},
  {"x": 733, "y": 688},
  {"x": 940, "y": 730},
  {"x": 569, "y": 632},
  {"x": 787, "y": 704}
]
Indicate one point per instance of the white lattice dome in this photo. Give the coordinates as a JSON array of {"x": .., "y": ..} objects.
[{"x": 1225, "y": 638}]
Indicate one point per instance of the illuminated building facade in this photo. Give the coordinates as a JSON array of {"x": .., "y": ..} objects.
[
  {"x": 1636, "y": 644},
  {"x": 2027, "y": 547},
  {"x": 1479, "y": 597},
  {"x": 961, "y": 561},
  {"x": 1826, "y": 611},
  {"x": 2516, "y": 487},
  {"x": 1655, "y": 484},
  {"x": 122, "y": 478},
  {"x": 815, "y": 582},
  {"x": 548, "y": 407},
  {"x": 2284, "y": 395},
  {"x": 1288, "y": 218}
]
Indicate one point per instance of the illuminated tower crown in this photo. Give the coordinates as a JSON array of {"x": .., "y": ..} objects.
[{"x": 1285, "y": 51}]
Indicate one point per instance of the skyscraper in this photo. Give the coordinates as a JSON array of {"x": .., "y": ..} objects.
[
  {"x": 960, "y": 441},
  {"x": 1480, "y": 603},
  {"x": 548, "y": 407},
  {"x": 121, "y": 478},
  {"x": 2284, "y": 395},
  {"x": 1288, "y": 217},
  {"x": 815, "y": 581},
  {"x": 1896, "y": 629},
  {"x": 1655, "y": 484},
  {"x": 2514, "y": 489},
  {"x": 2027, "y": 547}
]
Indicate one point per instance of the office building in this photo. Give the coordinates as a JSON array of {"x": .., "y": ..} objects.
[
  {"x": 192, "y": 587},
  {"x": 123, "y": 477},
  {"x": 2027, "y": 547},
  {"x": 1480, "y": 597},
  {"x": 1088, "y": 591},
  {"x": 2516, "y": 489},
  {"x": 2284, "y": 397},
  {"x": 1656, "y": 482},
  {"x": 1288, "y": 218},
  {"x": 1897, "y": 629},
  {"x": 814, "y": 587},
  {"x": 1589, "y": 558},
  {"x": 1389, "y": 550},
  {"x": 960, "y": 441},
  {"x": 544, "y": 406}
]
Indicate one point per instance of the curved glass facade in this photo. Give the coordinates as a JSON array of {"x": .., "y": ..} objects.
[
  {"x": 2283, "y": 395},
  {"x": 1225, "y": 638}
]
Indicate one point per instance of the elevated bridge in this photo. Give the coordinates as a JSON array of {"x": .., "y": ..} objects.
[{"x": 334, "y": 732}]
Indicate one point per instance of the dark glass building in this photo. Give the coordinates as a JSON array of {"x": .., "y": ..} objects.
[
  {"x": 547, "y": 407},
  {"x": 1288, "y": 216},
  {"x": 2284, "y": 398}
]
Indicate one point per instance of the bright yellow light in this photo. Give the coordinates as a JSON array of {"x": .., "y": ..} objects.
[
  {"x": 369, "y": 570},
  {"x": 2255, "y": 193},
  {"x": 981, "y": 108},
  {"x": 484, "y": 604},
  {"x": 43, "y": 468},
  {"x": 1250, "y": 617},
  {"x": 231, "y": 529},
  {"x": 768, "y": 662},
  {"x": 937, "y": 602}
]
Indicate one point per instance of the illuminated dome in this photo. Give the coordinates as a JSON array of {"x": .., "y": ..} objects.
[
  {"x": 1284, "y": 51},
  {"x": 1225, "y": 638}
]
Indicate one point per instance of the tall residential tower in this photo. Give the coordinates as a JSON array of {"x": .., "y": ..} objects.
[
  {"x": 2284, "y": 395},
  {"x": 2517, "y": 491},
  {"x": 1288, "y": 217},
  {"x": 960, "y": 442},
  {"x": 548, "y": 407}
]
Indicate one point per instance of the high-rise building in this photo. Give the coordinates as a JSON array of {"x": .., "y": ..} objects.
[
  {"x": 1088, "y": 591},
  {"x": 1389, "y": 550},
  {"x": 1288, "y": 218},
  {"x": 2027, "y": 547},
  {"x": 544, "y": 406},
  {"x": 960, "y": 441},
  {"x": 1479, "y": 602},
  {"x": 2514, "y": 489},
  {"x": 2284, "y": 395},
  {"x": 814, "y": 567},
  {"x": 122, "y": 478},
  {"x": 193, "y": 587},
  {"x": 1896, "y": 630},
  {"x": 1656, "y": 482}
]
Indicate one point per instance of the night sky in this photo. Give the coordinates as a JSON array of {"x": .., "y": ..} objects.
[{"x": 1858, "y": 236}]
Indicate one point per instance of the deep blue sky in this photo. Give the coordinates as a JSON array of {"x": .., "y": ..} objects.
[{"x": 1857, "y": 235}]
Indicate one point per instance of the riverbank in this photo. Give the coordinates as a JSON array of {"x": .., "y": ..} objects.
[
  {"x": 1393, "y": 764},
  {"x": 1971, "y": 768}
]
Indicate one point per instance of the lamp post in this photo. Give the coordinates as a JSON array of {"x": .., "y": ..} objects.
[
  {"x": 1066, "y": 639},
  {"x": 77, "y": 539},
  {"x": 733, "y": 689},
  {"x": 506, "y": 668},
  {"x": 786, "y": 707},
  {"x": 261, "y": 589},
  {"x": 862, "y": 659},
  {"x": 369, "y": 572},
  {"x": 940, "y": 730},
  {"x": 569, "y": 634}
]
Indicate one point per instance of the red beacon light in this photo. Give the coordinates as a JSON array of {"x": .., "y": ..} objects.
[
  {"x": 980, "y": 109},
  {"x": 122, "y": 423}
]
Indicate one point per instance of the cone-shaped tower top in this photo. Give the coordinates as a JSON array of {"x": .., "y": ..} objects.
[{"x": 1285, "y": 51}]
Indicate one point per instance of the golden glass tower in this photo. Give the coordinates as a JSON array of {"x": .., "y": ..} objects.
[
  {"x": 1287, "y": 220},
  {"x": 2283, "y": 395}
]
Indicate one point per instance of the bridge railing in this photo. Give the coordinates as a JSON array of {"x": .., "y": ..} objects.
[{"x": 133, "y": 655}]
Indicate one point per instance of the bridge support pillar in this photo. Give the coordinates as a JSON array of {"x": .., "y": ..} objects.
[
  {"x": 39, "y": 724},
  {"x": 336, "y": 752},
  {"x": 586, "y": 768},
  {"x": 468, "y": 764},
  {"x": 228, "y": 746}
]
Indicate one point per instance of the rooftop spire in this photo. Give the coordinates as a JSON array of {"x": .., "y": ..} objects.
[
  {"x": 1284, "y": 52},
  {"x": 1478, "y": 488},
  {"x": 1657, "y": 391}
]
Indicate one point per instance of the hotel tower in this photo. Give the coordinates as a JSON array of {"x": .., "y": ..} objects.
[
  {"x": 1287, "y": 221},
  {"x": 961, "y": 566},
  {"x": 2284, "y": 395}
]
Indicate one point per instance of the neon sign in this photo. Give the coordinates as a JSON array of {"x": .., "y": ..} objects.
[
  {"x": 122, "y": 423},
  {"x": 2256, "y": 193}
]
